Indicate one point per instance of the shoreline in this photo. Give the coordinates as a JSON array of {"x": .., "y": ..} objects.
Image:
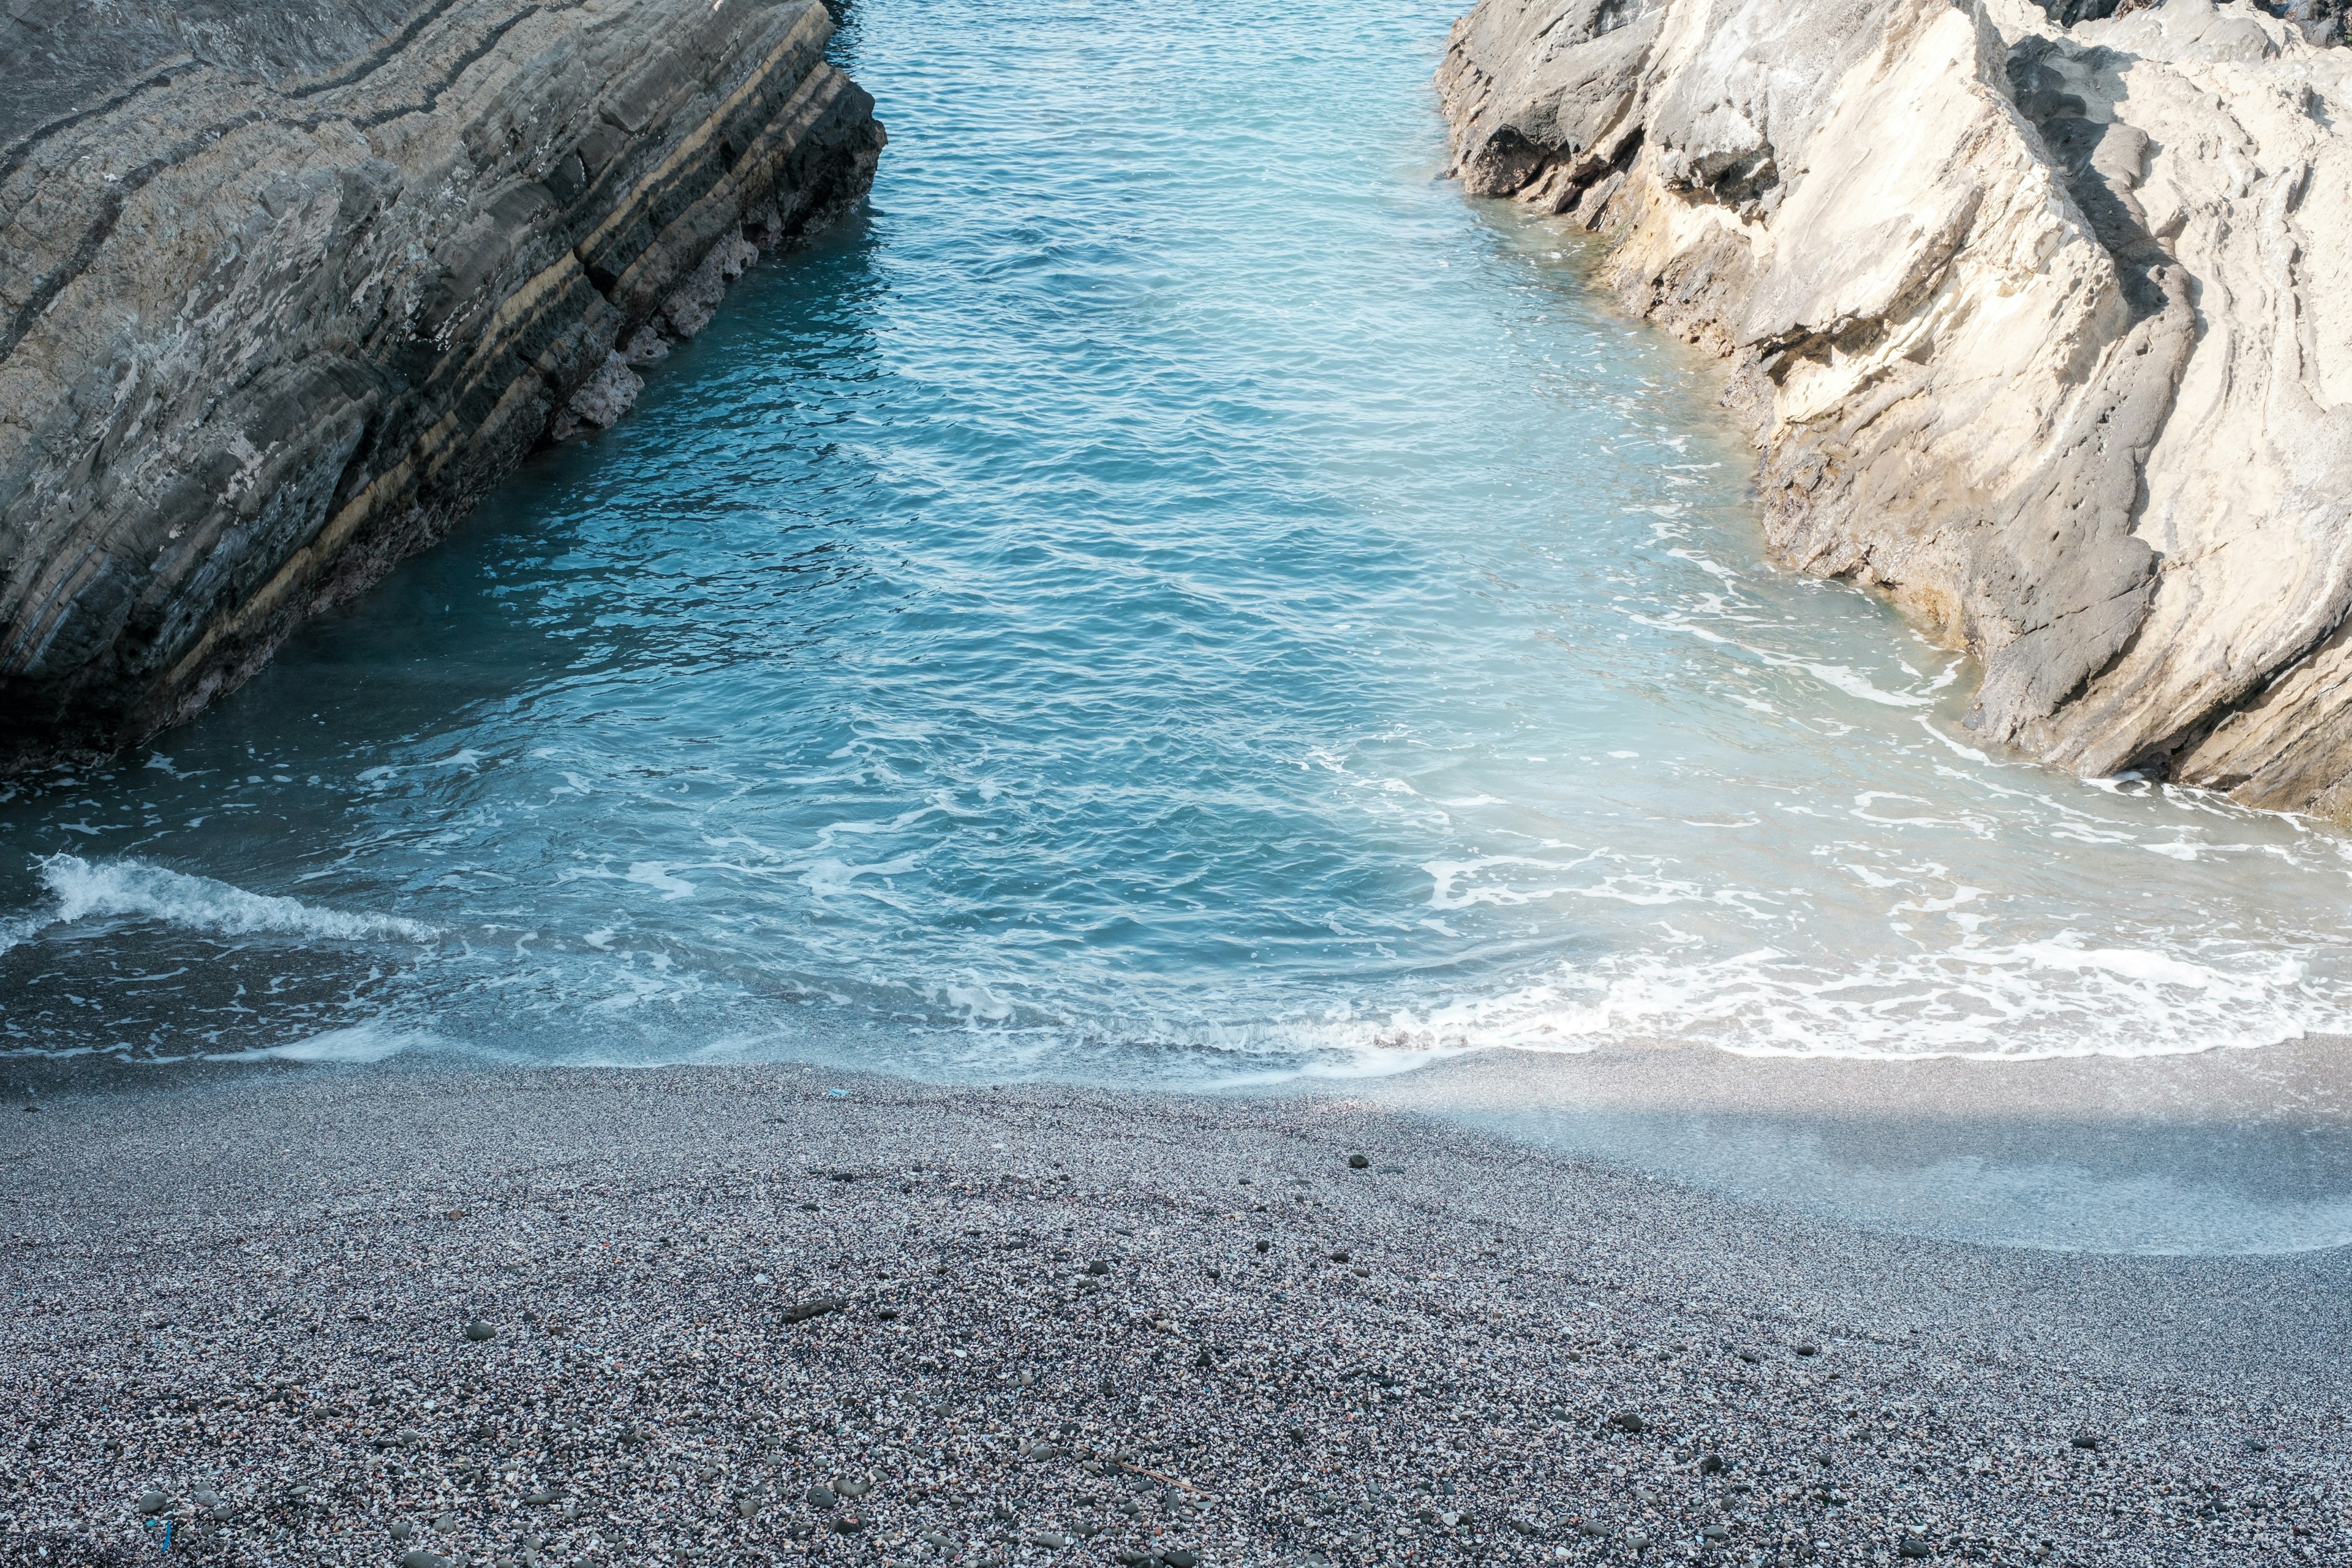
[
  {"x": 2216, "y": 1152},
  {"x": 2224, "y": 1150},
  {"x": 271, "y": 1290}
]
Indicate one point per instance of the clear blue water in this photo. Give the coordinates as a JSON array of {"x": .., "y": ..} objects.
[{"x": 1175, "y": 593}]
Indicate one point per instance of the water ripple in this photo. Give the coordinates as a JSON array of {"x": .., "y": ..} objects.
[{"x": 1176, "y": 593}]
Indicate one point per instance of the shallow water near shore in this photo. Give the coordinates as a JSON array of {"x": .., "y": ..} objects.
[{"x": 1175, "y": 594}]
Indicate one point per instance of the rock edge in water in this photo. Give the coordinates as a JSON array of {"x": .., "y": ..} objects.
[
  {"x": 282, "y": 295},
  {"x": 2040, "y": 329}
]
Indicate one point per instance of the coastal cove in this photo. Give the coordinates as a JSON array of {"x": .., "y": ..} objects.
[
  {"x": 911, "y": 784},
  {"x": 1204, "y": 606}
]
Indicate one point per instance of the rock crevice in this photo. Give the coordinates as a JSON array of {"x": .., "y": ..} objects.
[
  {"x": 2038, "y": 326},
  {"x": 285, "y": 290}
]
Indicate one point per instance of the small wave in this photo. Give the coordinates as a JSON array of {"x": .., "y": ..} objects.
[
  {"x": 134, "y": 888},
  {"x": 2026, "y": 1000},
  {"x": 359, "y": 1043}
]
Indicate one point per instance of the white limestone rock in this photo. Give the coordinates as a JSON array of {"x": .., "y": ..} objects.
[{"x": 2042, "y": 330}]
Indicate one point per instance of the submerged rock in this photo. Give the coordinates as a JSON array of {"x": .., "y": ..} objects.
[
  {"x": 282, "y": 298},
  {"x": 2038, "y": 327}
]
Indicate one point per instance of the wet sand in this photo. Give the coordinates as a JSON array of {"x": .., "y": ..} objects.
[{"x": 2228, "y": 1151}]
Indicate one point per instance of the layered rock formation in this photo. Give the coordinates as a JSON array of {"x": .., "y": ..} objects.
[
  {"x": 285, "y": 287},
  {"x": 2044, "y": 329}
]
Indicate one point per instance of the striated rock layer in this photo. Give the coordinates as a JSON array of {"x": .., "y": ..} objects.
[
  {"x": 286, "y": 288},
  {"x": 2044, "y": 329}
]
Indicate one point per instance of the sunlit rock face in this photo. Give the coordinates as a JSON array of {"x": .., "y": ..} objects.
[
  {"x": 284, "y": 288},
  {"x": 2042, "y": 329}
]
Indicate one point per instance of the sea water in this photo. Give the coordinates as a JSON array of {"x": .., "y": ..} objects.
[{"x": 1171, "y": 592}]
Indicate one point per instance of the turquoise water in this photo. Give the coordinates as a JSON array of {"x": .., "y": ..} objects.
[{"x": 1174, "y": 592}]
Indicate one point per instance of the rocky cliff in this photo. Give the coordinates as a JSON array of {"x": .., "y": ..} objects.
[
  {"x": 2044, "y": 329},
  {"x": 287, "y": 284}
]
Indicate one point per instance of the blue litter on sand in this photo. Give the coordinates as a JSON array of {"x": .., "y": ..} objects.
[{"x": 836, "y": 1094}]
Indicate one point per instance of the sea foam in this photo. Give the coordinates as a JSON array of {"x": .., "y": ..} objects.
[{"x": 135, "y": 889}]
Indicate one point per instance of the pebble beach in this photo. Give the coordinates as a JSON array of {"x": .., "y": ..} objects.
[{"x": 423, "y": 1318}]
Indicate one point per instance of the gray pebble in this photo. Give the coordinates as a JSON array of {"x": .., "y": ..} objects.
[
  {"x": 479, "y": 1331},
  {"x": 801, "y": 1311}
]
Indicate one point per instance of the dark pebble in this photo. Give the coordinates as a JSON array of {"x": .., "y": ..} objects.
[
  {"x": 1626, "y": 1421},
  {"x": 801, "y": 1311},
  {"x": 1098, "y": 1267},
  {"x": 1359, "y": 1162}
]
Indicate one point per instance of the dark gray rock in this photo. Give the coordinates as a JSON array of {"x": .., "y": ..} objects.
[{"x": 285, "y": 295}]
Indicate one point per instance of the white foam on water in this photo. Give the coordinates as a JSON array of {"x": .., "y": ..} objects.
[
  {"x": 134, "y": 888},
  {"x": 358, "y": 1043},
  {"x": 654, "y": 875},
  {"x": 2023, "y": 1000}
]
